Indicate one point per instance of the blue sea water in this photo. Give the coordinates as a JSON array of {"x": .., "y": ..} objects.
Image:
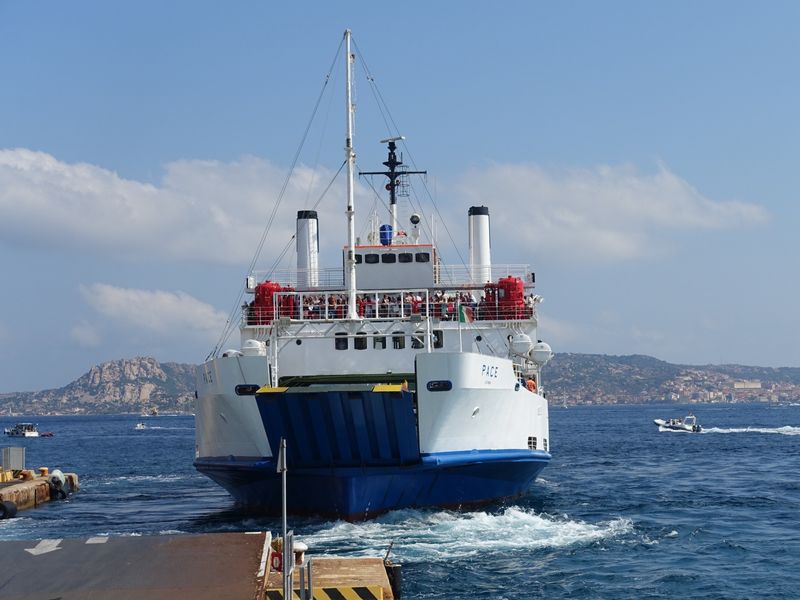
[{"x": 623, "y": 511}]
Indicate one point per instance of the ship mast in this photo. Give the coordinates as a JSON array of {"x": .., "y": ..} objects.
[
  {"x": 395, "y": 176},
  {"x": 350, "y": 158}
]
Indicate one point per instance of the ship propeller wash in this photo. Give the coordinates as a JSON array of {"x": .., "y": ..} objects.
[{"x": 397, "y": 381}]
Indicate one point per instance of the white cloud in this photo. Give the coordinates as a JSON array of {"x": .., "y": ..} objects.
[
  {"x": 86, "y": 335},
  {"x": 155, "y": 311},
  {"x": 211, "y": 211},
  {"x": 601, "y": 214},
  {"x": 206, "y": 211}
]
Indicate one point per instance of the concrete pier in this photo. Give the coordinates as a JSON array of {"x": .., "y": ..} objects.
[
  {"x": 33, "y": 490},
  {"x": 214, "y": 566}
]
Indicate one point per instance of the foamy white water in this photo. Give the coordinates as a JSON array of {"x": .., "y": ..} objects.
[
  {"x": 785, "y": 430},
  {"x": 447, "y": 535}
]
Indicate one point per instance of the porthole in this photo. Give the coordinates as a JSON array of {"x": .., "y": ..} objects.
[
  {"x": 247, "y": 389},
  {"x": 441, "y": 385}
]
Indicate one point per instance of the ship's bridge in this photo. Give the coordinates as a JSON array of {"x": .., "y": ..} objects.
[{"x": 381, "y": 267}]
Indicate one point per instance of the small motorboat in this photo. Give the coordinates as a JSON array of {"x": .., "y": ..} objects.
[
  {"x": 140, "y": 426},
  {"x": 23, "y": 430},
  {"x": 687, "y": 423}
]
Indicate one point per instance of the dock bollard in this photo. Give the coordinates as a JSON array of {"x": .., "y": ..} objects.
[{"x": 299, "y": 552}]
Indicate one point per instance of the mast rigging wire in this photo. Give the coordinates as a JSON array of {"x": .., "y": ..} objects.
[
  {"x": 229, "y": 325},
  {"x": 233, "y": 312}
]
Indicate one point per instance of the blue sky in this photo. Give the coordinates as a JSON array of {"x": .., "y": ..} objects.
[{"x": 640, "y": 156}]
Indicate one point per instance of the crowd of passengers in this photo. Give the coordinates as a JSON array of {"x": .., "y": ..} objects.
[{"x": 444, "y": 306}]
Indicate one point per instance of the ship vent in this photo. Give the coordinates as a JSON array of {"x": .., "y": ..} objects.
[
  {"x": 544, "y": 444},
  {"x": 532, "y": 443}
]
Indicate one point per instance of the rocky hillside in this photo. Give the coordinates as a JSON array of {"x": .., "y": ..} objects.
[
  {"x": 139, "y": 384},
  {"x": 580, "y": 378},
  {"x": 131, "y": 385},
  {"x": 601, "y": 379}
]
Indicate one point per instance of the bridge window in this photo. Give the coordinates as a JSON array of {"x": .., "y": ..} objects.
[
  {"x": 423, "y": 257},
  {"x": 416, "y": 342},
  {"x": 360, "y": 341},
  {"x": 341, "y": 341},
  {"x": 441, "y": 385},
  {"x": 359, "y": 258},
  {"x": 388, "y": 258},
  {"x": 379, "y": 342},
  {"x": 398, "y": 340},
  {"x": 405, "y": 257},
  {"x": 532, "y": 443},
  {"x": 371, "y": 259}
]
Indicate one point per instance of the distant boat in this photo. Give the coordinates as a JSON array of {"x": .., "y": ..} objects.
[
  {"x": 140, "y": 426},
  {"x": 23, "y": 430},
  {"x": 687, "y": 423}
]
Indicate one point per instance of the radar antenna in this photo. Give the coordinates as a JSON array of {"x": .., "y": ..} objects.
[{"x": 397, "y": 176}]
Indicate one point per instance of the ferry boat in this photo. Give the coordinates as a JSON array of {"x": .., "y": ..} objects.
[
  {"x": 396, "y": 381},
  {"x": 23, "y": 430}
]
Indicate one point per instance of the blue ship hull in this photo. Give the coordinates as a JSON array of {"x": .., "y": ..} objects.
[
  {"x": 452, "y": 480},
  {"x": 353, "y": 453}
]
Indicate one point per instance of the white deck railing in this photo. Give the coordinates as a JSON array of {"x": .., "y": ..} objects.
[
  {"x": 381, "y": 305},
  {"x": 444, "y": 276},
  {"x": 461, "y": 275}
]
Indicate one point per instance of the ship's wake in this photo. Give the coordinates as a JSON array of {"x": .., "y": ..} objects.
[
  {"x": 785, "y": 430},
  {"x": 443, "y": 535}
]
